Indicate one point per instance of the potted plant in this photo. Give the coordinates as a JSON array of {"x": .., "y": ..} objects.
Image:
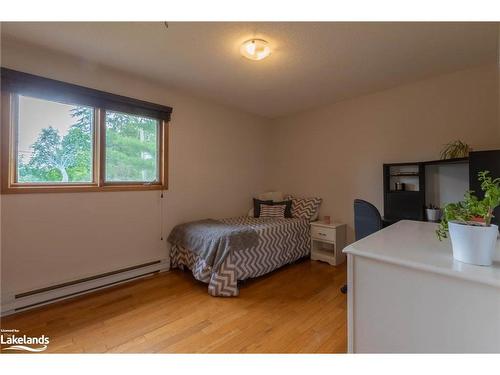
[
  {"x": 473, "y": 237},
  {"x": 456, "y": 149},
  {"x": 432, "y": 212}
]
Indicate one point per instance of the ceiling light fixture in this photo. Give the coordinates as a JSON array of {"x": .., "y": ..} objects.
[{"x": 255, "y": 49}]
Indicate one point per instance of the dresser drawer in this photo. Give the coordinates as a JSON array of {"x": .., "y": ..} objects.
[{"x": 321, "y": 233}]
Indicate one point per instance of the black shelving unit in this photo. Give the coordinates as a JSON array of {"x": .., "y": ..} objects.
[
  {"x": 404, "y": 175},
  {"x": 404, "y": 204},
  {"x": 400, "y": 205},
  {"x": 447, "y": 161}
]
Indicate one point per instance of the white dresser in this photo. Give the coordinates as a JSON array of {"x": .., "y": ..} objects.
[
  {"x": 406, "y": 294},
  {"x": 327, "y": 242}
]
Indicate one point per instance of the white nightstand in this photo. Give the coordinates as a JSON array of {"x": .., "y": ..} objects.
[{"x": 327, "y": 242}]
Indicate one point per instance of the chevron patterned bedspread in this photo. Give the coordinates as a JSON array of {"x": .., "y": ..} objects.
[{"x": 281, "y": 241}]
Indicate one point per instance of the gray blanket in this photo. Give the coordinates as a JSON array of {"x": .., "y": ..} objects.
[{"x": 212, "y": 239}]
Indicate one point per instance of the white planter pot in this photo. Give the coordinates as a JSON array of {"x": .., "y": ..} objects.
[
  {"x": 473, "y": 244},
  {"x": 432, "y": 214}
]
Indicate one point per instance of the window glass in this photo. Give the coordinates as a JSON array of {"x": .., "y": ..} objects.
[
  {"x": 54, "y": 142},
  {"x": 131, "y": 148}
]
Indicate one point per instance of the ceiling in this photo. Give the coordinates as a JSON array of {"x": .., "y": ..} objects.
[{"x": 311, "y": 64}]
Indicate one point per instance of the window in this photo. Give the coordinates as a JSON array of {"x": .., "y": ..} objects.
[
  {"x": 131, "y": 148},
  {"x": 54, "y": 142},
  {"x": 62, "y": 137}
]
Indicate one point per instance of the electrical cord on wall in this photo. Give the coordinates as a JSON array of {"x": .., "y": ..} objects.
[{"x": 162, "y": 192}]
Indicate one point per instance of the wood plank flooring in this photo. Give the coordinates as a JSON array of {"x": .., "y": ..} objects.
[{"x": 297, "y": 309}]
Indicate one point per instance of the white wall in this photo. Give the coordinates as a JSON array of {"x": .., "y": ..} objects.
[
  {"x": 217, "y": 162},
  {"x": 220, "y": 157},
  {"x": 336, "y": 152},
  {"x": 446, "y": 183}
]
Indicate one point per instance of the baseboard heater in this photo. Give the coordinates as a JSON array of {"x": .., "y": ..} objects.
[{"x": 42, "y": 296}]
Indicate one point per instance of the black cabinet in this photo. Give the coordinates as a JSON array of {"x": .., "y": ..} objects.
[{"x": 408, "y": 200}]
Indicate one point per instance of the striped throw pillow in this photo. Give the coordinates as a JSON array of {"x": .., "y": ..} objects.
[
  {"x": 305, "y": 208},
  {"x": 276, "y": 210}
]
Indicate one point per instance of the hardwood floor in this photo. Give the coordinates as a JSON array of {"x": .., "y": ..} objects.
[{"x": 297, "y": 309}]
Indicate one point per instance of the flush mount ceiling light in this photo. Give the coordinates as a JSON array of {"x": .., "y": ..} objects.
[{"x": 255, "y": 49}]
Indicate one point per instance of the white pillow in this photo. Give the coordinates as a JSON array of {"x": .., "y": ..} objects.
[{"x": 275, "y": 196}]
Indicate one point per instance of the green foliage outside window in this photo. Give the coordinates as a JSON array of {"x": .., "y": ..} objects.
[{"x": 131, "y": 150}]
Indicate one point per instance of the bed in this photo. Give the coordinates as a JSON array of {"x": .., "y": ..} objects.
[{"x": 237, "y": 249}]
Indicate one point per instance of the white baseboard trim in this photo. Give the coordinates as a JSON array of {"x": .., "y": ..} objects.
[{"x": 13, "y": 305}]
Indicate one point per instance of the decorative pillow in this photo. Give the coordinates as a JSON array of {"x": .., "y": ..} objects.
[
  {"x": 256, "y": 206},
  {"x": 305, "y": 208},
  {"x": 272, "y": 210},
  {"x": 258, "y": 203},
  {"x": 288, "y": 207}
]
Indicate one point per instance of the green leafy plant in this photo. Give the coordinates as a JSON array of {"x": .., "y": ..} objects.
[
  {"x": 473, "y": 210},
  {"x": 456, "y": 149}
]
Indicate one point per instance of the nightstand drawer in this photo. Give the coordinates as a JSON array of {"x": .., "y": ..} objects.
[{"x": 322, "y": 233}]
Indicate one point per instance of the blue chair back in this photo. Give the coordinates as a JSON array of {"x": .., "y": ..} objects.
[{"x": 367, "y": 219}]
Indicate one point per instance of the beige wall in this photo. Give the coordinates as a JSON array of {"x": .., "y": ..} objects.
[
  {"x": 336, "y": 152},
  {"x": 218, "y": 159}
]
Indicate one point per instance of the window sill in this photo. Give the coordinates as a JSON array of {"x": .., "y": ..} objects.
[{"x": 33, "y": 189}]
